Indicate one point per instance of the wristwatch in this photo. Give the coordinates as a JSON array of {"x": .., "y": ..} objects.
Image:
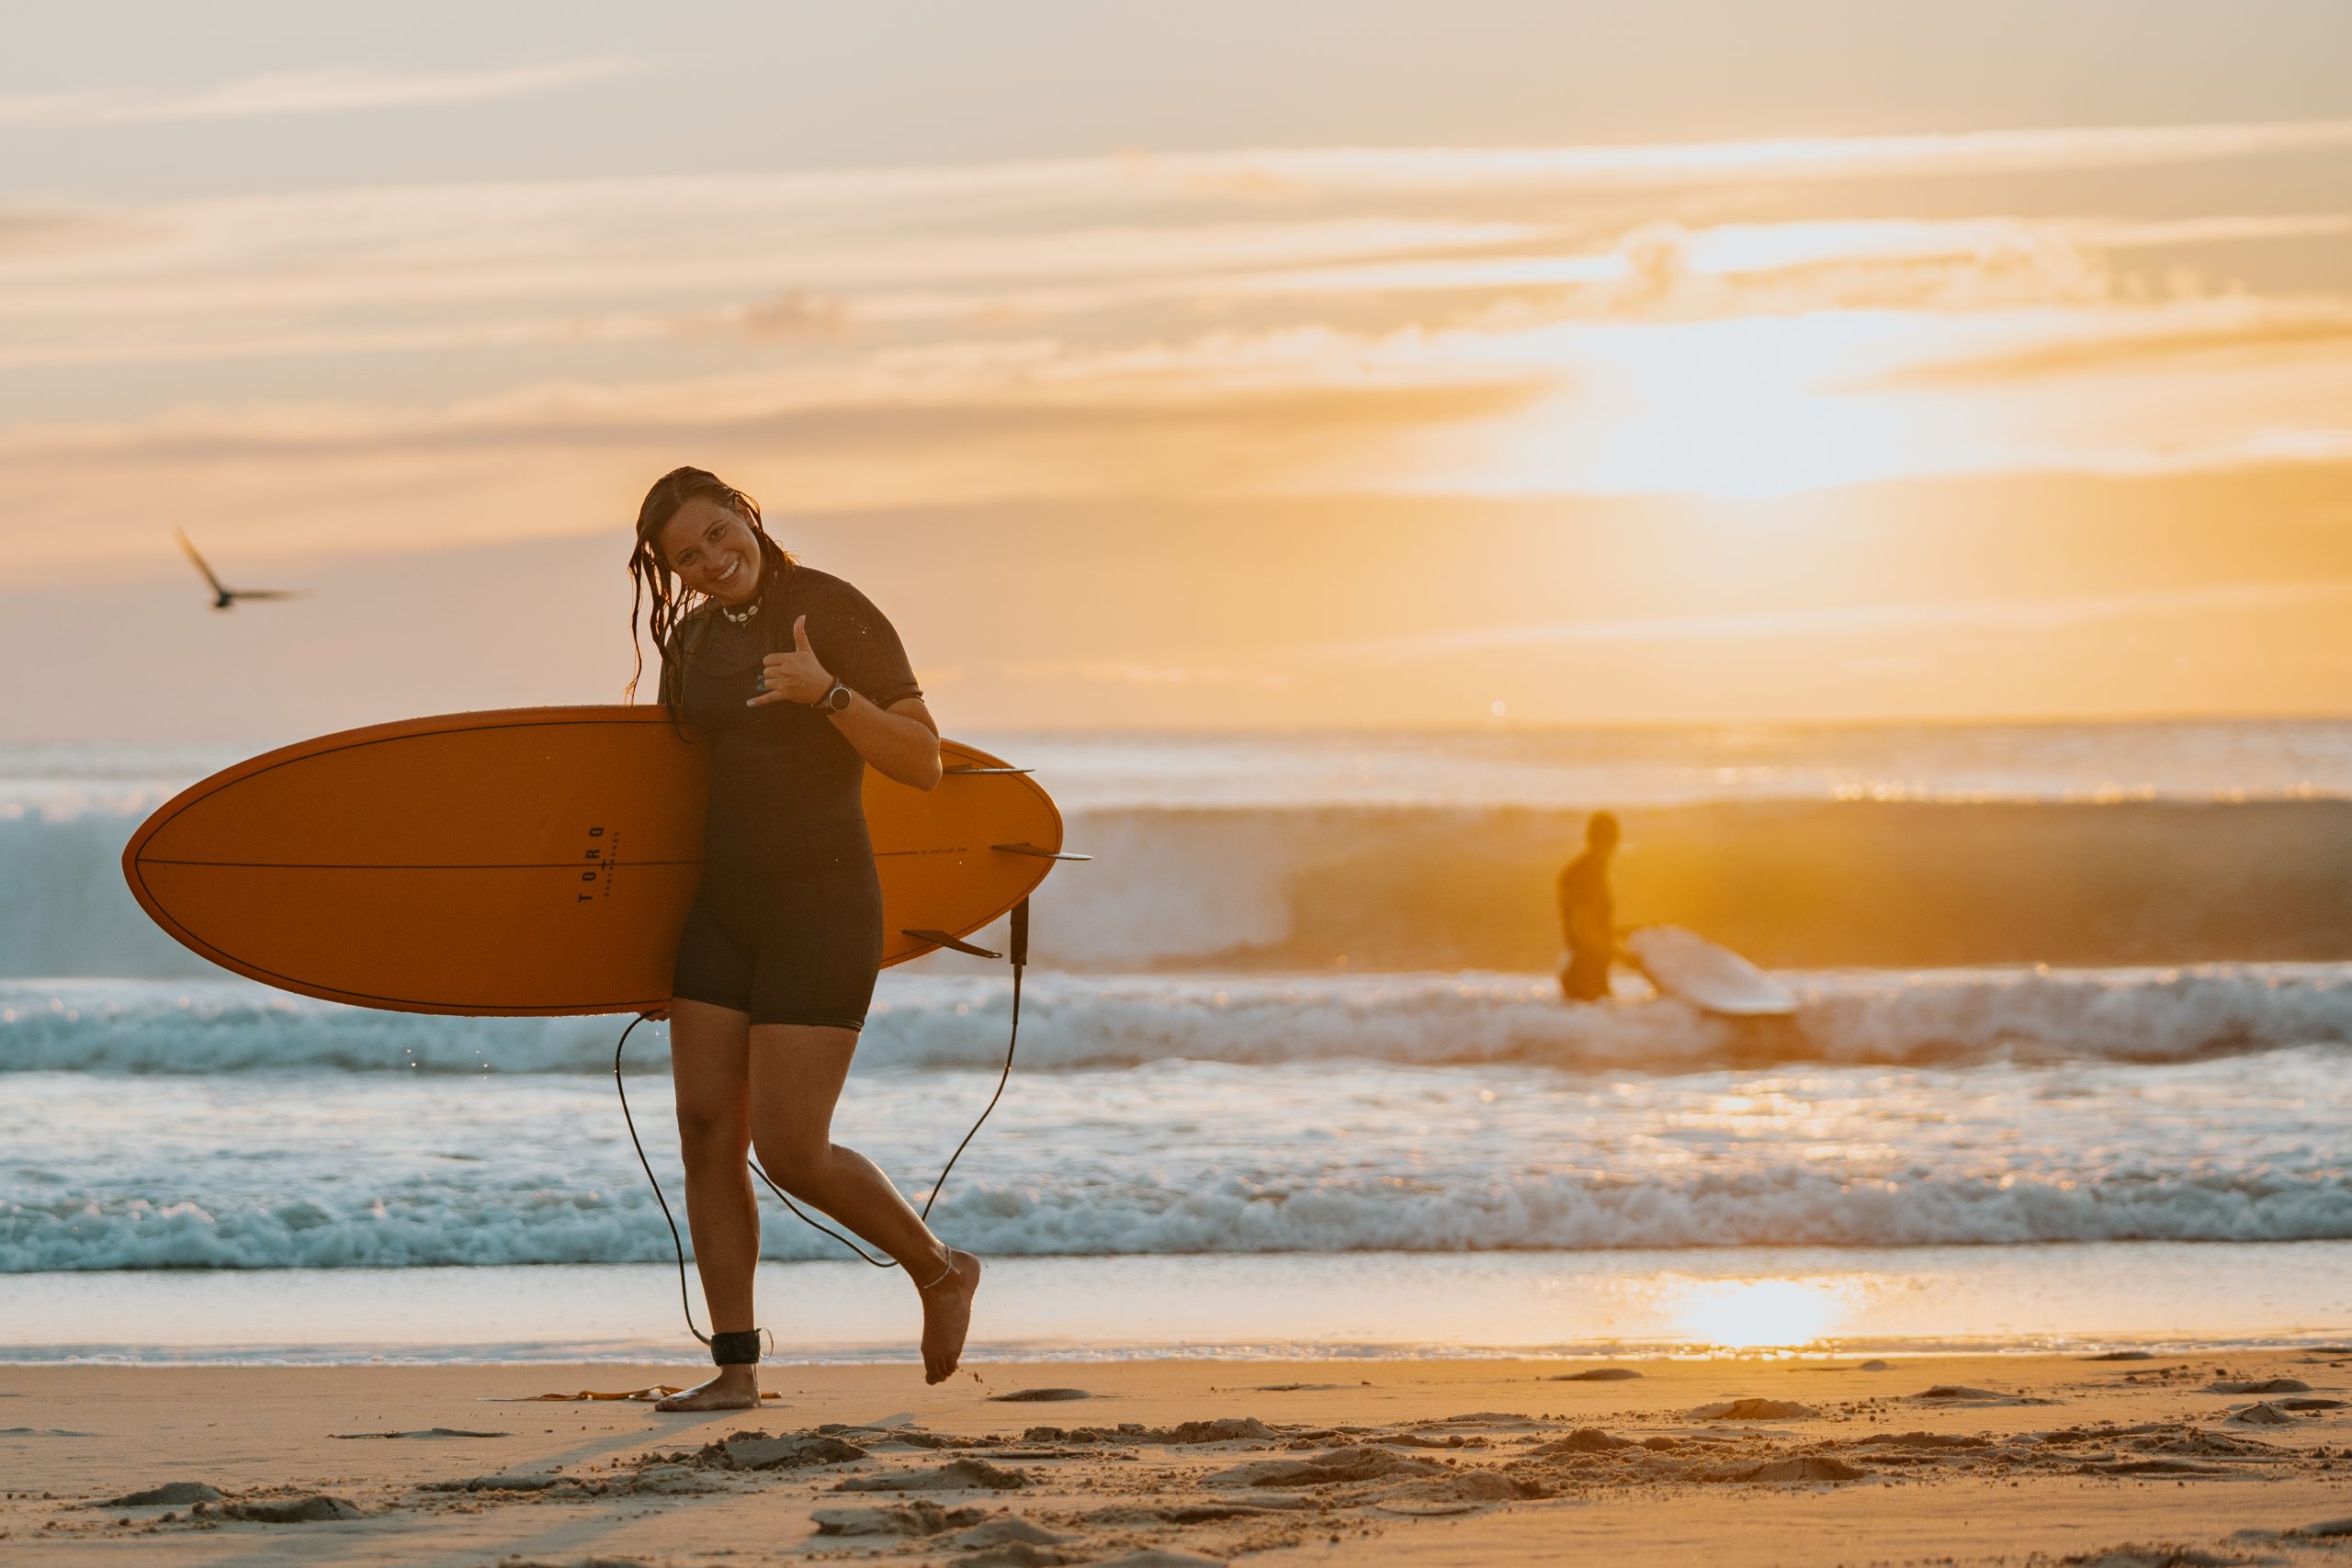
[{"x": 836, "y": 699}]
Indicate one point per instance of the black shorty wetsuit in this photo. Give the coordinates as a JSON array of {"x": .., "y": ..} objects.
[{"x": 788, "y": 925}]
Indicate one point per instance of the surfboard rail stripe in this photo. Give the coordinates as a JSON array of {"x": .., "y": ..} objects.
[{"x": 421, "y": 865}]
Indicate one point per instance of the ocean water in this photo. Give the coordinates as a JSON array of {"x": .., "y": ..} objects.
[{"x": 2069, "y": 1068}]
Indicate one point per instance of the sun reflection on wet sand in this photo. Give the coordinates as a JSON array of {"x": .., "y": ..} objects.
[{"x": 1757, "y": 1315}]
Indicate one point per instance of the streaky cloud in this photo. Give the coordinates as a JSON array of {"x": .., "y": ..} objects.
[
  {"x": 2142, "y": 340},
  {"x": 1854, "y": 620},
  {"x": 326, "y": 89}
]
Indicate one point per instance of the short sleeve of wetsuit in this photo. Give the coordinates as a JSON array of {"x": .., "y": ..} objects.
[{"x": 859, "y": 646}]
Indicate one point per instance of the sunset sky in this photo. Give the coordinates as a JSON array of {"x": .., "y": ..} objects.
[{"x": 1203, "y": 365}]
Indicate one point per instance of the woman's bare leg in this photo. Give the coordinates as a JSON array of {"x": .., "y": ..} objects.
[
  {"x": 796, "y": 1074},
  {"x": 709, "y": 1049}
]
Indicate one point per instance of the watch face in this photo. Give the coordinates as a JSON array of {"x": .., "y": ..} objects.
[{"x": 838, "y": 698}]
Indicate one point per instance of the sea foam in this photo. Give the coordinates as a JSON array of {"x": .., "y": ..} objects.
[{"x": 1368, "y": 1212}]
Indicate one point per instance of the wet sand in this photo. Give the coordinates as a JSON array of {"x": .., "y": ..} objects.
[{"x": 2127, "y": 1463}]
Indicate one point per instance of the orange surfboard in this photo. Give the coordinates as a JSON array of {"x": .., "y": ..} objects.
[{"x": 529, "y": 860}]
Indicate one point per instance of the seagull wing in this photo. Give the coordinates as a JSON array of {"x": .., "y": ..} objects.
[{"x": 199, "y": 562}]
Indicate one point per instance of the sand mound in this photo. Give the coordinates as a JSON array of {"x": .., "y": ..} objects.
[
  {"x": 1955, "y": 1394},
  {"x": 1923, "y": 1441},
  {"x": 1802, "y": 1468},
  {"x": 1457, "y": 1494},
  {"x": 1586, "y": 1440},
  {"x": 503, "y": 1481},
  {"x": 1755, "y": 1410},
  {"x": 1184, "y": 1434},
  {"x": 1013, "y": 1554},
  {"x": 2152, "y": 1467},
  {"x": 2264, "y": 1414},
  {"x": 1011, "y": 1530},
  {"x": 1326, "y": 1469},
  {"x": 1038, "y": 1395},
  {"x": 758, "y": 1450},
  {"x": 912, "y": 1518},
  {"x": 959, "y": 1475},
  {"x": 2269, "y": 1385},
  {"x": 307, "y": 1510},
  {"x": 173, "y": 1494}
]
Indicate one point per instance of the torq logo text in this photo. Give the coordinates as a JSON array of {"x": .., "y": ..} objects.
[{"x": 602, "y": 854}]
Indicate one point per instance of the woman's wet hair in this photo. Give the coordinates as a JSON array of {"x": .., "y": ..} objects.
[{"x": 650, "y": 574}]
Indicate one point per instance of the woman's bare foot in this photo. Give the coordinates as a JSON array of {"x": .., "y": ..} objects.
[
  {"x": 735, "y": 1388},
  {"x": 948, "y": 1315}
]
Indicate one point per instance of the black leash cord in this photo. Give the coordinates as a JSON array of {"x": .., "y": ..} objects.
[
  {"x": 684, "y": 1300},
  {"x": 1020, "y": 958}
]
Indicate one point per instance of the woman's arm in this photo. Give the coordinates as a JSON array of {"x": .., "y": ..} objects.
[{"x": 900, "y": 742}]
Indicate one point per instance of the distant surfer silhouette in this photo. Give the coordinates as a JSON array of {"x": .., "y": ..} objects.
[
  {"x": 1587, "y": 918},
  {"x": 799, "y": 683}
]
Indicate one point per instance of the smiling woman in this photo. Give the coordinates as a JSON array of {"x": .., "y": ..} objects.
[{"x": 775, "y": 967}]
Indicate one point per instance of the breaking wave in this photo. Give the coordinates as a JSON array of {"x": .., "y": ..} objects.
[
  {"x": 1076, "y": 1021},
  {"x": 1336, "y": 1213}
]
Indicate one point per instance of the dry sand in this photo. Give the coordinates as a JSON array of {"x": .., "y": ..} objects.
[{"x": 2173, "y": 1461}]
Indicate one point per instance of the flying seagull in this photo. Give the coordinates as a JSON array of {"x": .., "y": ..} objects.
[{"x": 226, "y": 598}]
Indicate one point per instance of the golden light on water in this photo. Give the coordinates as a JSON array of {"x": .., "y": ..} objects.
[{"x": 1756, "y": 1315}]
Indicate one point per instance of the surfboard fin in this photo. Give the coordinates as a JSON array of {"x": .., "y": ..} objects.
[
  {"x": 976, "y": 768},
  {"x": 1037, "y": 851},
  {"x": 940, "y": 939}
]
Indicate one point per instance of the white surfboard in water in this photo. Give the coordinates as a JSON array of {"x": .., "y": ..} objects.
[{"x": 1688, "y": 967}]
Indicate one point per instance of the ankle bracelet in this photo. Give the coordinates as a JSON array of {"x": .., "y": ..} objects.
[{"x": 944, "y": 1275}]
